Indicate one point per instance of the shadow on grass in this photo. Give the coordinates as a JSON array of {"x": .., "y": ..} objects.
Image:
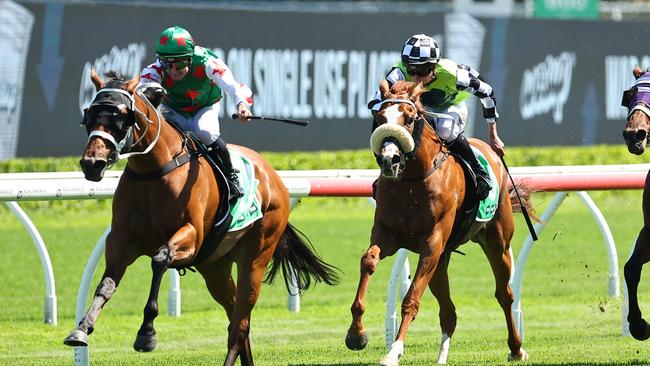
[
  {"x": 333, "y": 364},
  {"x": 604, "y": 363},
  {"x": 626, "y": 363}
]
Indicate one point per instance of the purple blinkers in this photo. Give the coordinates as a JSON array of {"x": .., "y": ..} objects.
[{"x": 639, "y": 93}]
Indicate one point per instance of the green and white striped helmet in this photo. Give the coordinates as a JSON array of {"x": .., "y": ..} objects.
[{"x": 175, "y": 42}]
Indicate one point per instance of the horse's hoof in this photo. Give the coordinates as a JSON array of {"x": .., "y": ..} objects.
[
  {"x": 76, "y": 338},
  {"x": 388, "y": 360},
  {"x": 356, "y": 342},
  {"x": 145, "y": 343},
  {"x": 522, "y": 356},
  {"x": 640, "y": 330},
  {"x": 393, "y": 356}
]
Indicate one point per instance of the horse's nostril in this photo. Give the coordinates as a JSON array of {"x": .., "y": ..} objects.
[
  {"x": 85, "y": 163},
  {"x": 640, "y": 135},
  {"x": 100, "y": 164},
  {"x": 395, "y": 159}
]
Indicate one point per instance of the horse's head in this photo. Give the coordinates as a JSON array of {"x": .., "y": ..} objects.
[
  {"x": 109, "y": 121},
  {"x": 399, "y": 126},
  {"x": 637, "y": 101}
]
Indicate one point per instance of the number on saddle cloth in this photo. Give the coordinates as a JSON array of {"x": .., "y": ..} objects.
[{"x": 487, "y": 207}]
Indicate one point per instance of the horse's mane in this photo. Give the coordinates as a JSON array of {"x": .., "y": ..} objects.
[{"x": 407, "y": 90}]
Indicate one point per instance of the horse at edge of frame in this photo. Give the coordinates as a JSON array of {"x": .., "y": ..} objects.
[{"x": 636, "y": 135}]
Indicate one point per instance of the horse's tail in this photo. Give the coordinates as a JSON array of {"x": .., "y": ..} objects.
[
  {"x": 295, "y": 255},
  {"x": 523, "y": 199}
]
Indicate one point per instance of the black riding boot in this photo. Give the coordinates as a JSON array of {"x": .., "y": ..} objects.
[
  {"x": 461, "y": 147},
  {"x": 219, "y": 153}
]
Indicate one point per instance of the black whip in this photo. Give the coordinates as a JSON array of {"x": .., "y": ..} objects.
[
  {"x": 533, "y": 234},
  {"x": 285, "y": 120}
]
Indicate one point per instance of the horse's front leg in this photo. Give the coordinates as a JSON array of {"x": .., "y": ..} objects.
[
  {"x": 356, "y": 338},
  {"x": 117, "y": 259},
  {"x": 185, "y": 237},
  {"x": 429, "y": 257},
  {"x": 638, "y": 326}
]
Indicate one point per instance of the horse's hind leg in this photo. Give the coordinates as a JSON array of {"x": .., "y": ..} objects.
[
  {"x": 146, "y": 339},
  {"x": 638, "y": 326},
  {"x": 256, "y": 252},
  {"x": 218, "y": 279},
  {"x": 439, "y": 286},
  {"x": 496, "y": 247}
]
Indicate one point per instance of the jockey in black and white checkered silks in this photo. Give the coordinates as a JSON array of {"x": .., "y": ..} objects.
[{"x": 449, "y": 85}]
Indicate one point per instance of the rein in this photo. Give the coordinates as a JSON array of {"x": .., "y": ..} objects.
[{"x": 143, "y": 115}]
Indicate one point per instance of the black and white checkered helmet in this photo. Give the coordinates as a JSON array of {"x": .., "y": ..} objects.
[{"x": 420, "y": 49}]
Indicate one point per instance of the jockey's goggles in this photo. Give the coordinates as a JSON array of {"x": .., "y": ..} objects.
[
  {"x": 176, "y": 63},
  {"x": 420, "y": 69}
]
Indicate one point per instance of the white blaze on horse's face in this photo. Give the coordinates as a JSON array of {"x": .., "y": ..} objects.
[{"x": 392, "y": 114}]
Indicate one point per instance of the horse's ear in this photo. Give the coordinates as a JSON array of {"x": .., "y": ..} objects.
[
  {"x": 96, "y": 80},
  {"x": 637, "y": 72},
  {"x": 384, "y": 88},
  {"x": 131, "y": 84}
]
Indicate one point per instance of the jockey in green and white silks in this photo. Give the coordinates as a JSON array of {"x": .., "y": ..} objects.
[
  {"x": 195, "y": 79},
  {"x": 449, "y": 85}
]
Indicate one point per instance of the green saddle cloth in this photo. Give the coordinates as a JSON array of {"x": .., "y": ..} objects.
[
  {"x": 488, "y": 206},
  {"x": 248, "y": 208}
]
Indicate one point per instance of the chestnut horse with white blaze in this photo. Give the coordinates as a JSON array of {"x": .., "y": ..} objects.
[
  {"x": 636, "y": 135},
  {"x": 165, "y": 206},
  {"x": 419, "y": 197}
]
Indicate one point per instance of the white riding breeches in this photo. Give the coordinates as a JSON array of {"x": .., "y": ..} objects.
[
  {"x": 204, "y": 124},
  {"x": 449, "y": 122}
]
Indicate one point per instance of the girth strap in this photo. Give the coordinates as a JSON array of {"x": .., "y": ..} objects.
[{"x": 164, "y": 170}]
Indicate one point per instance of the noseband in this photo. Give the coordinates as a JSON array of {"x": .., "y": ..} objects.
[
  {"x": 418, "y": 127},
  {"x": 638, "y": 97}
]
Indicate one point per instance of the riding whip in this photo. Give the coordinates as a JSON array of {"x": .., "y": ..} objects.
[
  {"x": 285, "y": 120},
  {"x": 524, "y": 212}
]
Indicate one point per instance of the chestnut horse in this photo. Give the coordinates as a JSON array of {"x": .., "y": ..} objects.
[
  {"x": 636, "y": 134},
  {"x": 419, "y": 196},
  {"x": 165, "y": 207}
]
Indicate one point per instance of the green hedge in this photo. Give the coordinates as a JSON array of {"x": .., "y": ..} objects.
[
  {"x": 363, "y": 159},
  {"x": 343, "y": 159}
]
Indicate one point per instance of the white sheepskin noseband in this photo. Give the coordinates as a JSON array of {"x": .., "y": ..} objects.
[{"x": 403, "y": 137}]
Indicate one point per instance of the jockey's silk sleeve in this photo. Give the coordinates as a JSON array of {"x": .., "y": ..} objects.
[
  {"x": 220, "y": 74},
  {"x": 392, "y": 77},
  {"x": 151, "y": 73},
  {"x": 468, "y": 79}
]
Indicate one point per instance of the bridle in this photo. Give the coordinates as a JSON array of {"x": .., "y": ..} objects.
[
  {"x": 416, "y": 136},
  {"x": 123, "y": 147},
  {"x": 418, "y": 126}
]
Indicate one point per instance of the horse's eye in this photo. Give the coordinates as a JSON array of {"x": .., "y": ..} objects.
[{"x": 410, "y": 119}]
